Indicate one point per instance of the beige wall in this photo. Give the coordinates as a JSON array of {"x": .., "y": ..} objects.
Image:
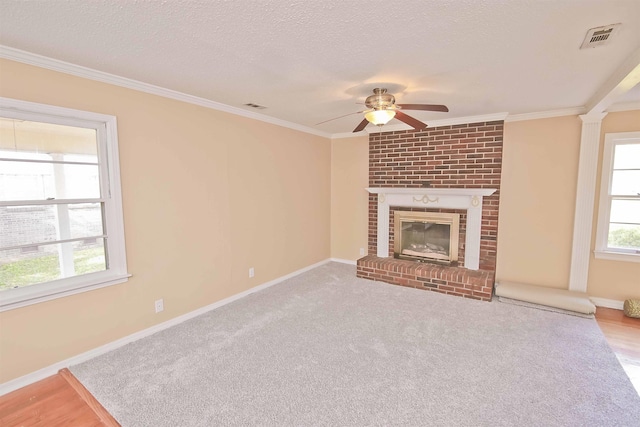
[
  {"x": 616, "y": 280},
  {"x": 190, "y": 176},
  {"x": 539, "y": 176},
  {"x": 349, "y": 199},
  {"x": 540, "y": 168}
]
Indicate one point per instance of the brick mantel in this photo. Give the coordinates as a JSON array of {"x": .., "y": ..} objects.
[{"x": 469, "y": 199}]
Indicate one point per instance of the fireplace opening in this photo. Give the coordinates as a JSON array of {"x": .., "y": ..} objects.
[{"x": 426, "y": 236}]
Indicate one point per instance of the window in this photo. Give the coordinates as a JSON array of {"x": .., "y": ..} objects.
[
  {"x": 618, "y": 233},
  {"x": 61, "y": 227}
]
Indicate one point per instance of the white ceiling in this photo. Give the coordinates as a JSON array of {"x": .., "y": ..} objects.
[{"x": 309, "y": 61}]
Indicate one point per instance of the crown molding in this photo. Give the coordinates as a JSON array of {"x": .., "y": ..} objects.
[
  {"x": 624, "y": 106},
  {"x": 91, "y": 74},
  {"x": 29, "y": 58},
  {"x": 573, "y": 111},
  {"x": 592, "y": 118}
]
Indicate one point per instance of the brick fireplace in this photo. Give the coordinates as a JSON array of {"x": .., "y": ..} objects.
[{"x": 454, "y": 169}]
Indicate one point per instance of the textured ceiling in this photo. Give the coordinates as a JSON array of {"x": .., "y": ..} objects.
[{"x": 311, "y": 61}]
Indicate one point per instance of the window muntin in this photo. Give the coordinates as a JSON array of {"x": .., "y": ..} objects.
[
  {"x": 60, "y": 209},
  {"x": 618, "y": 234}
]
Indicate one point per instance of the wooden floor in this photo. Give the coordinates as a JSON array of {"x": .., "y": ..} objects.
[
  {"x": 61, "y": 400},
  {"x": 623, "y": 335}
]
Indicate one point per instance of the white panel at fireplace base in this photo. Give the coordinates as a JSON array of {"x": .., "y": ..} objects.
[{"x": 469, "y": 199}]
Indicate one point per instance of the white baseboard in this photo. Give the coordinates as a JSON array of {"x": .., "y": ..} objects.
[
  {"x": 40, "y": 374},
  {"x": 607, "y": 303},
  {"x": 343, "y": 261}
]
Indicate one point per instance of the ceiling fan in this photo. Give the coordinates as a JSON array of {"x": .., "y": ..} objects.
[{"x": 382, "y": 108}]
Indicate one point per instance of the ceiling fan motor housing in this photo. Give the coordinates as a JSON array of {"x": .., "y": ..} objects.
[{"x": 380, "y": 100}]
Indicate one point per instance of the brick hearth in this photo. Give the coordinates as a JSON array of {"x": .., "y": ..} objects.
[
  {"x": 476, "y": 284},
  {"x": 458, "y": 156}
]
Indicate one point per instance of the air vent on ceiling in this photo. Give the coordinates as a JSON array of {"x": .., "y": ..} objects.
[
  {"x": 256, "y": 106},
  {"x": 599, "y": 36}
]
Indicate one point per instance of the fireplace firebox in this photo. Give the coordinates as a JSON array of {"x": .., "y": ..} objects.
[{"x": 426, "y": 236}]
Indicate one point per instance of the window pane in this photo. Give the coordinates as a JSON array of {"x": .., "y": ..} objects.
[
  {"x": 41, "y": 181},
  {"x": 625, "y": 183},
  {"x": 25, "y": 138},
  {"x": 627, "y": 211},
  {"x": 26, "y": 181},
  {"x": 624, "y": 236},
  {"x": 23, "y": 225},
  {"x": 20, "y": 268},
  {"x": 85, "y": 219},
  {"x": 627, "y": 156}
]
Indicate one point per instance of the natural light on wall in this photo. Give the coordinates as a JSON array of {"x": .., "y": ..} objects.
[{"x": 60, "y": 224}]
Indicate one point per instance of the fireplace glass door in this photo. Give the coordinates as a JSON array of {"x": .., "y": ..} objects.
[
  {"x": 426, "y": 239},
  {"x": 426, "y": 236}
]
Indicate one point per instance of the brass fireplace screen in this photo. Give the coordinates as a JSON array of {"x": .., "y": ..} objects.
[{"x": 426, "y": 236}]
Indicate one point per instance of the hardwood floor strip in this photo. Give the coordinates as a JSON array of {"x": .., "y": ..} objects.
[
  {"x": 53, "y": 401},
  {"x": 19, "y": 399},
  {"x": 623, "y": 335},
  {"x": 88, "y": 398}
]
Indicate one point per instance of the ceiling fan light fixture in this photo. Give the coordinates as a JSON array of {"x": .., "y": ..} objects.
[{"x": 380, "y": 117}]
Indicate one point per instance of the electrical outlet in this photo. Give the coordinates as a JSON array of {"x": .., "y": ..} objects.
[
  {"x": 361, "y": 251},
  {"x": 252, "y": 272},
  {"x": 159, "y": 305}
]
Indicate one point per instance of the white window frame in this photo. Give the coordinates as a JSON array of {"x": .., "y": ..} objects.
[
  {"x": 602, "y": 251},
  {"x": 107, "y": 135}
]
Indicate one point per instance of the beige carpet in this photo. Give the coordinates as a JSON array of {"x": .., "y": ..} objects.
[{"x": 326, "y": 348}]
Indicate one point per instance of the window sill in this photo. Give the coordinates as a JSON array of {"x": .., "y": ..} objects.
[
  {"x": 617, "y": 256},
  {"x": 21, "y": 297}
]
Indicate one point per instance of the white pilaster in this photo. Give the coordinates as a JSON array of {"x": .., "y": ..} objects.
[
  {"x": 383, "y": 227},
  {"x": 585, "y": 197},
  {"x": 472, "y": 239}
]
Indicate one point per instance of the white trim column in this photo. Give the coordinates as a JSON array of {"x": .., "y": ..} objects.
[
  {"x": 585, "y": 198},
  {"x": 472, "y": 239},
  {"x": 383, "y": 227}
]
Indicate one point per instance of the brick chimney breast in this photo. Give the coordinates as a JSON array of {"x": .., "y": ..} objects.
[{"x": 457, "y": 156}]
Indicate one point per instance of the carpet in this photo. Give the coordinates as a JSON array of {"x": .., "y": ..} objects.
[{"x": 327, "y": 348}]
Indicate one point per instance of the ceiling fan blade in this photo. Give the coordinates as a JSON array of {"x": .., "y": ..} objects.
[
  {"x": 424, "y": 107},
  {"x": 415, "y": 123},
  {"x": 363, "y": 124},
  {"x": 336, "y": 118}
]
